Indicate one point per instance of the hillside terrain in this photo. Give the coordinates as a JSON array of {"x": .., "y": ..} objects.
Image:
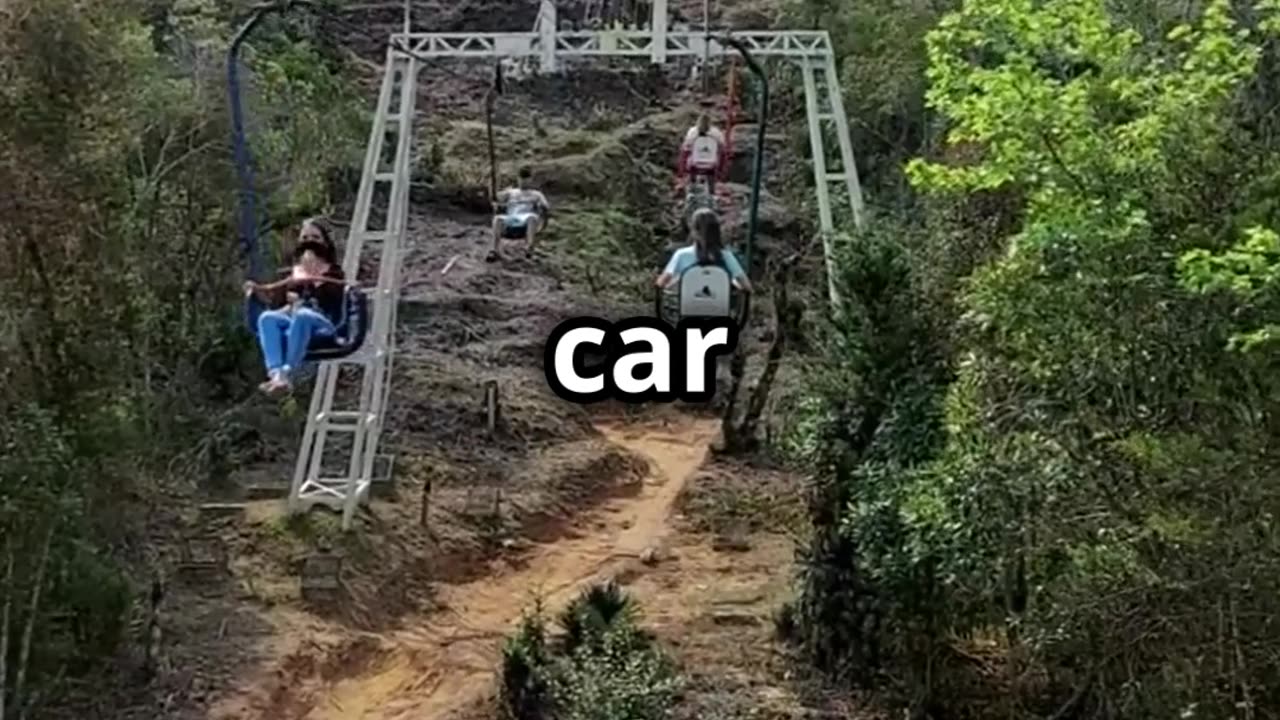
[
  {"x": 505, "y": 513},
  {"x": 1024, "y": 469}
]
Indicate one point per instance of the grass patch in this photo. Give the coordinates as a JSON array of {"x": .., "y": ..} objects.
[
  {"x": 732, "y": 496},
  {"x": 613, "y": 254},
  {"x": 591, "y": 162},
  {"x": 307, "y": 532},
  {"x": 462, "y": 149}
]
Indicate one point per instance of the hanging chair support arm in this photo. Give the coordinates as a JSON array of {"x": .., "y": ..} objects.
[
  {"x": 490, "y": 99},
  {"x": 248, "y": 222},
  {"x": 757, "y": 167}
]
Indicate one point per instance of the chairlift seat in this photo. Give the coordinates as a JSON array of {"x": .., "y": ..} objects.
[
  {"x": 705, "y": 291},
  {"x": 702, "y": 291},
  {"x": 697, "y": 196},
  {"x": 349, "y": 332}
]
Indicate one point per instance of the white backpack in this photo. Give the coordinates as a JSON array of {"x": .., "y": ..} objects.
[
  {"x": 705, "y": 292},
  {"x": 705, "y": 153}
]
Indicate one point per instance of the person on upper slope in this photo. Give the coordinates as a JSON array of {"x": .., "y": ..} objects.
[
  {"x": 702, "y": 153},
  {"x": 312, "y": 307},
  {"x": 707, "y": 248},
  {"x": 525, "y": 213}
]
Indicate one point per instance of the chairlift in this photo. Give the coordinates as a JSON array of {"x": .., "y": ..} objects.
[
  {"x": 353, "y": 323},
  {"x": 708, "y": 290},
  {"x": 349, "y": 332},
  {"x": 510, "y": 232}
]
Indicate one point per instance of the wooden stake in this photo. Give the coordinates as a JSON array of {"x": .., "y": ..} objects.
[
  {"x": 426, "y": 502},
  {"x": 491, "y": 405}
]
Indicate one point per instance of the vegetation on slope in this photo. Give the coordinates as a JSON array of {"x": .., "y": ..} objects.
[
  {"x": 118, "y": 275},
  {"x": 1041, "y": 431},
  {"x": 1044, "y": 466}
]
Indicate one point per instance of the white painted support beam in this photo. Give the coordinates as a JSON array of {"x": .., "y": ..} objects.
[
  {"x": 628, "y": 43},
  {"x": 312, "y": 485},
  {"x": 659, "y": 27},
  {"x": 547, "y": 28}
]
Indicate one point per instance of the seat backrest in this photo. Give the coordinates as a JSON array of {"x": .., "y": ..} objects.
[
  {"x": 351, "y": 327},
  {"x": 522, "y": 207},
  {"x": 705, "y": 291}
]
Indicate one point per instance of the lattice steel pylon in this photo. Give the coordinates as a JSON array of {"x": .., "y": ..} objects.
[
  {"x": 825, "y": 109},
  {"x": 378, "y": 224}
]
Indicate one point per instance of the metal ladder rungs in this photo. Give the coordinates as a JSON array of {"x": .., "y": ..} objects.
[
  {"x": 325, "y": 486},
  {"x": 341, "y": 418},
  {"x": 356, "y": 359},
  {"x": 384, "y": 177},
  {"x": 331, "y": 481},
  {"x": 340, "y": 415}
]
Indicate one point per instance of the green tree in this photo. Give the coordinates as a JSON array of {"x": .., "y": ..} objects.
[
  {"x": 1101, "y": 500},
  {"x": 117, "y": 284}
]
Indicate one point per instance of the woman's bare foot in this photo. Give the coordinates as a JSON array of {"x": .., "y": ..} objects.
[{"x": 278, "y": 383}]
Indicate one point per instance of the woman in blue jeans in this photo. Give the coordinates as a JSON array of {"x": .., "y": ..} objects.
[{"x": 314, "y": 296}]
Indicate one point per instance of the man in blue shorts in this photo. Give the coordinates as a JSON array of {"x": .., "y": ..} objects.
[{"x": 526, "y": 211}]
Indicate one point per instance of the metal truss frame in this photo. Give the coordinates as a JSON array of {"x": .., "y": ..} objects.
[
  {"x": 392, "y": 123},
  {"x": 835, "y": 171},
  {"x": 611, "y": 43}
]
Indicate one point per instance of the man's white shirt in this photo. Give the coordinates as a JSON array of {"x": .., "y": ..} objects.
[{"x": 520, "y": 200}]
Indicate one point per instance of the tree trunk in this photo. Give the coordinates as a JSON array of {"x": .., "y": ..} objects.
[
  {"x": 740, "y": 436},
  {"x": 4, "y": 624},
  {"x": 28, "y": 631},
  {"x": 785, "y": 320},
  {"x": 728, "y": 426},
  {"x": 152, "y": 648}
]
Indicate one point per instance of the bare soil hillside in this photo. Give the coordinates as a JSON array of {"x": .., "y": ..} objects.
[{"x": 438, "y": 567}]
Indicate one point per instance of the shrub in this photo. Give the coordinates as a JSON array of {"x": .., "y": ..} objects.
[{"x": 605, "y": 668}]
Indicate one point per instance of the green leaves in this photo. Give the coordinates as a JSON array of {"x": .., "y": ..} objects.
[
  {"x": 1248, "y": 269},
  {"x": 1059, "y": 98},
  {"x": 307, "y": 120},
  {"x": 1104, "y": 485},
  {"x": 118, "y": 283},
  {"x": 605, "y": 668}
]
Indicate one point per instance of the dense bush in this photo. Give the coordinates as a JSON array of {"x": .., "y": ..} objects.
[
  {"x": 118, "y": 279},
  {"x": 604, "y": 667},
  {"x": 1080, "y": 479}
]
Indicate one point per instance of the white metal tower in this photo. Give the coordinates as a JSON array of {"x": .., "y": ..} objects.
[
  {"x": 378, "y": 227},
  {"x": 384, "y": 197}
]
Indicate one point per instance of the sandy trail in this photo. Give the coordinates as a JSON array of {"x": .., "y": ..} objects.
[{"x": 447, "y": 661}]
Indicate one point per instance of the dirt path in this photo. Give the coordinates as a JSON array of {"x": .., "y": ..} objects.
[{"x": 446, "y": 661}]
